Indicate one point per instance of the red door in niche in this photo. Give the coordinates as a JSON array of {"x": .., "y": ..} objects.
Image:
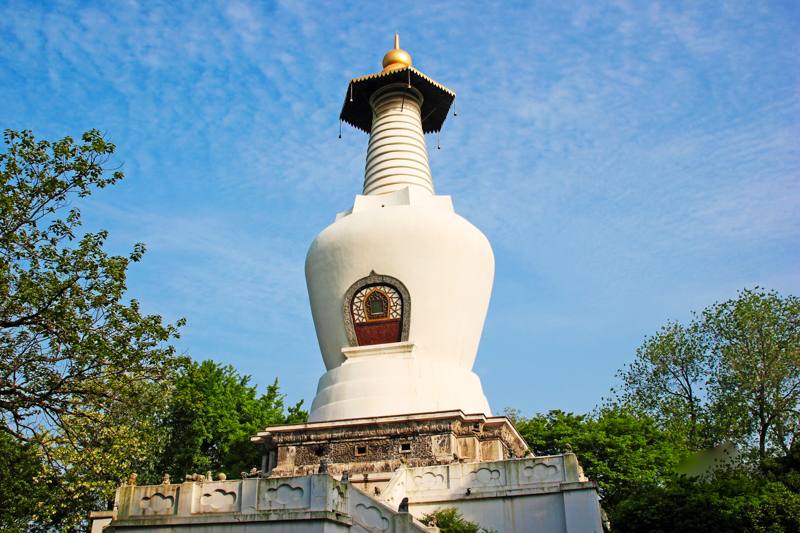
[{"x": 377, "y": 315}]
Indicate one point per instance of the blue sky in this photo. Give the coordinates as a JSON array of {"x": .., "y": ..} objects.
[{"x": 629, "y": 162}]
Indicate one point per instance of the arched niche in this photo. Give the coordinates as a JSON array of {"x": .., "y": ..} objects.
[{"x": 377, "y": 310}]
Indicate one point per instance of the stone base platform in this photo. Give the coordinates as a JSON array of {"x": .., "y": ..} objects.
[
  {"x": 399, "y": 469},
  {"x": 372, "y": 449},
  {"x": 315, "y": 504},
  {"x": 545, "y": 494},
  {"x": 539, "y": 494}
]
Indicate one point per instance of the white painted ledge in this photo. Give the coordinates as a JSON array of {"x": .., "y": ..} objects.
[
  {"x": 394, "y": 350},
  {"x": 405, "y": 196}
]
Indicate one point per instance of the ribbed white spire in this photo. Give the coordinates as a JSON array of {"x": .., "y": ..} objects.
[{"x": 397, "y": 156}]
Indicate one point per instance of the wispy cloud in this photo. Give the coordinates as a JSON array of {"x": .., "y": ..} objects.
[{"x": 629, "y": 161}]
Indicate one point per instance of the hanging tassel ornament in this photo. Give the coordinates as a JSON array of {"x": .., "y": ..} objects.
[
  {"x": 340, "y": 128},
  {"x": 404, "y": 93},
  {"x": 455, "y": 113},
  {"x": 351, "y": 92},
  {"x": 439, "y": 139}
]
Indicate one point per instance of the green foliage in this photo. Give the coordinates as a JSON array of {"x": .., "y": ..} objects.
[
  {"x": 53, "y": 488},
  {"x": 213, "y": 412},
  {"x": 778, "y": 511},
  {"x": 755, "y": 341},
  {"x": 731, "y": 502},
  {"x": 616, "y": 447},
  {"x": 69, "y": 346},
  {"x": 784, "y": 469},
  {"x": 205, "y": 420},
  {"x": 83, "y": 374},
  {"x": 732, "y": 374},
  {"x": 24, "y": 484},
  {"x": 668, "y": 381},
  {"x": 449, "y": 520}
]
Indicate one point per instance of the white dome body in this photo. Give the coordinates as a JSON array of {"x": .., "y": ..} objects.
[
  {"x": 399, "y": 285},
  {"x": 445, "y": 262},
  {"x": 447, "y": 266}
]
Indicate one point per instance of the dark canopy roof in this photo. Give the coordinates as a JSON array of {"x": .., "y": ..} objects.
[{"x": 435, "y": 105}]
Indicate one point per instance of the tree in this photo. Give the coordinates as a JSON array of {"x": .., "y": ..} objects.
[
  {"x": 668, "y": 380},
  {"x": 616, "y": 447},
  {"x": 70, "y": 348},
  {"x": 755, "y": 340},
  {"x": 83, "y": 374},
  {"x": 55, "y": 492},
  {"x": 784, "y": 469},
  {"x": 450, "y": 520},
  {"x": 25, "y": 486},
  {"x": 212, "y": 414},
  {"x": 732, "y": 374},
  {"x": 731, "y": 502}
]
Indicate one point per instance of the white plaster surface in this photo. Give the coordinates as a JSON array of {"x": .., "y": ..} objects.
[
  {"x": 100, "y": 520},
  {"x": 402, "y": 350},
  {"x": 448, "y": 267},
  {"x": 405, "y": 196},
  {"x": 386, "y": 385}
]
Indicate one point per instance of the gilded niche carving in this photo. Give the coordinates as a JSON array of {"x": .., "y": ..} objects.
[{"x": 377, "y": 310}]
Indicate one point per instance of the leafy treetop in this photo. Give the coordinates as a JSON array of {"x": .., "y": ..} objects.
[
  {"x": 733, "y": 373},
  {"x": 69, "y": 345},
  {"x": 212, "y": 414}
]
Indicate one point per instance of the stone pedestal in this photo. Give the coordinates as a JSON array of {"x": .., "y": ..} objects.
[
  {"x": 542, "y": 494},
  {"x": 286, "y": 505},
  {"x": 372, "y": 449}
]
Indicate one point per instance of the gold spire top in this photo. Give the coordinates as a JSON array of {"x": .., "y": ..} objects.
[
  {"x": 396, "y": 58},
  {"x": 397, "y": 70}
]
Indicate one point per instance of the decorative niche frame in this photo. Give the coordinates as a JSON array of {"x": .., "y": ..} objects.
[{"x": 376, "y": 280}]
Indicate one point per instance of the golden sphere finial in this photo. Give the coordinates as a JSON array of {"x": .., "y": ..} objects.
[{"x": 396, "y": 58}]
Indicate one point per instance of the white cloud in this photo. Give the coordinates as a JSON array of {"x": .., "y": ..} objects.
[{"x": 629, "y": 162}]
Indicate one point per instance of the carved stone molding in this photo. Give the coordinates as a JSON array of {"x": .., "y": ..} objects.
[{"x": 381, "y": 445}]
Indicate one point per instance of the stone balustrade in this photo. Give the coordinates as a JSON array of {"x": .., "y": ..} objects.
[{"x": 307, "y": 503}]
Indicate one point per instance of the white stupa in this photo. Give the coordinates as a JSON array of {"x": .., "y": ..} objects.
[
  {"x": 399, "y": 284},
  {"x": 399, "y": 288}
]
